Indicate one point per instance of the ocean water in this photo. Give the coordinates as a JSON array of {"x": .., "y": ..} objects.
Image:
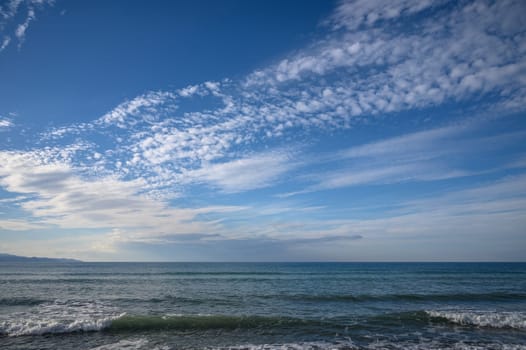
[{"x": 102, "y": 306}]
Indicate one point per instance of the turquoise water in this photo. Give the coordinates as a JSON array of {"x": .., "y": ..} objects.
[{"x": 262, "y": 306}]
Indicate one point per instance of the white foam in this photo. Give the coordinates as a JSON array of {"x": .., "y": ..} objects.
[
  {"x": 292, "y": 346},
  {"x": 377, "y": 345},
  {"x": 495, "y": 319},
  {"x": 437, "y": 345},
  {"x": 59, "y": 317},
  {"x": 126, "y": 344},
  {"x": 44, "y": 326},
  {"x": 123, "y": 344}
]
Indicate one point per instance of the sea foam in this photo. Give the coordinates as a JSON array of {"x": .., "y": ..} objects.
[
  {"x": 495, "y": 319},
  {"x": 293, "y": 346},
  {"x": 45, "y": 326},
  {"x": 377, "y": 345},
  {"x": 131, "y": 344},
  {"x": 60, "y": 317}
]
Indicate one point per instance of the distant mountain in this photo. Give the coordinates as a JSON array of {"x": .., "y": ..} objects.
[{"x": 16, "y": 258}]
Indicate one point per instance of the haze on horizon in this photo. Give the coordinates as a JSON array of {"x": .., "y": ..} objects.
[{"x": 263, "y": 130}]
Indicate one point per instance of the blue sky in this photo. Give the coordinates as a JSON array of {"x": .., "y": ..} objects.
[{"x": 263, "y": 130}]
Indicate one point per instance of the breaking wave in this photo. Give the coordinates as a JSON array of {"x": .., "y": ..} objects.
[
  {"x": 499, "y": 319},
  {"x": 70, "y": 317},
  {"x": 127, "y": 323},
  {"x": 39, "y": 327},
  {"x": 60, "y": 317}
]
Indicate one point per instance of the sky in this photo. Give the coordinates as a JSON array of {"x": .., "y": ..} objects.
[{"x": 235, "y": 130}]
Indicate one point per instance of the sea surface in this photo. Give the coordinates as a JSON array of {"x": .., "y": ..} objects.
[{"x": 102, "y": 306}]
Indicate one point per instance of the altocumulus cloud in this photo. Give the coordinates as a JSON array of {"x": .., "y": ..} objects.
[{"x": 15, "y": 18}]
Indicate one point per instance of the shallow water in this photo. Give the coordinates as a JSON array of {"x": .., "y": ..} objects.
[{"x": 262, "y": 306}]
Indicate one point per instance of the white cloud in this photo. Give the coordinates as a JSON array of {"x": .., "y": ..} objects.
[
  {"x": 61, "y": 198},
  {"x": 487, "y": 210},
  {"x": 9, "y": 9},
  {"x": 245, "y": 174},
  {"x": 366, "y": 68},
  {"x": 143, "y": 106},
  {"x": 189, "y": 90},
  {"x": 5, "y": 123},
  {"x": 213, "y": 86},
  {"x": 429, "y": 141},
  {"x": 484, "y": 222},
  {"x": 5, "y": 42},
  {"x": 20, "y": 31},
  {"x": 9, "y": 14},
  {"x": 353, "y": 14},
  {"x": 353, "y": 177},
  {"x": 18, "y": 225},
  {"x": 421, "y": 156},
  {"x": 449, "y": 54}
]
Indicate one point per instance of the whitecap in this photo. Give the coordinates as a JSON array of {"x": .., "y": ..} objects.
[
  {"x": 494, "y": 319},
  {"x": 59, "y": 317}
]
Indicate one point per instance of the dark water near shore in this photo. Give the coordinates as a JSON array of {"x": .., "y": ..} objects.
[{"x": 262, "y": 306}]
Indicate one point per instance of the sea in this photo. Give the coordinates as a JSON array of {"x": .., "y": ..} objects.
[{"x": 162, "y": 306}]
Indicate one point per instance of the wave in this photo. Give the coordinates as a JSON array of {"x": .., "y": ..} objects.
[
  {"x": 378, "y": 345},
  {"x": 172, "y": 299},
  {"x": 135, "y": 344},
  {"x": 511, "y": 319},
  {"x": 496, "y": 296},
  {"x": 129, "y": 323},
  {"x": 202, "y": 322},
  {"x": 47, "y": 326},
  {"x": 358, "y": 298},
  {"x": 116, "y": 279},
  {"x": 60, "y": 316},
  {"x": 134, "y": 323},
  {"x": 124, "y": 344},
  {"x": 88, "y": 318},
  {"x": 181, "y": 273},
  {"x": 21, "y": 301},
  {"x": 347, "y": 344},
  {"x": 142, "y": 343},
  {"x": 470, "y": 318},
  {"x": 319, "y": 345}
]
